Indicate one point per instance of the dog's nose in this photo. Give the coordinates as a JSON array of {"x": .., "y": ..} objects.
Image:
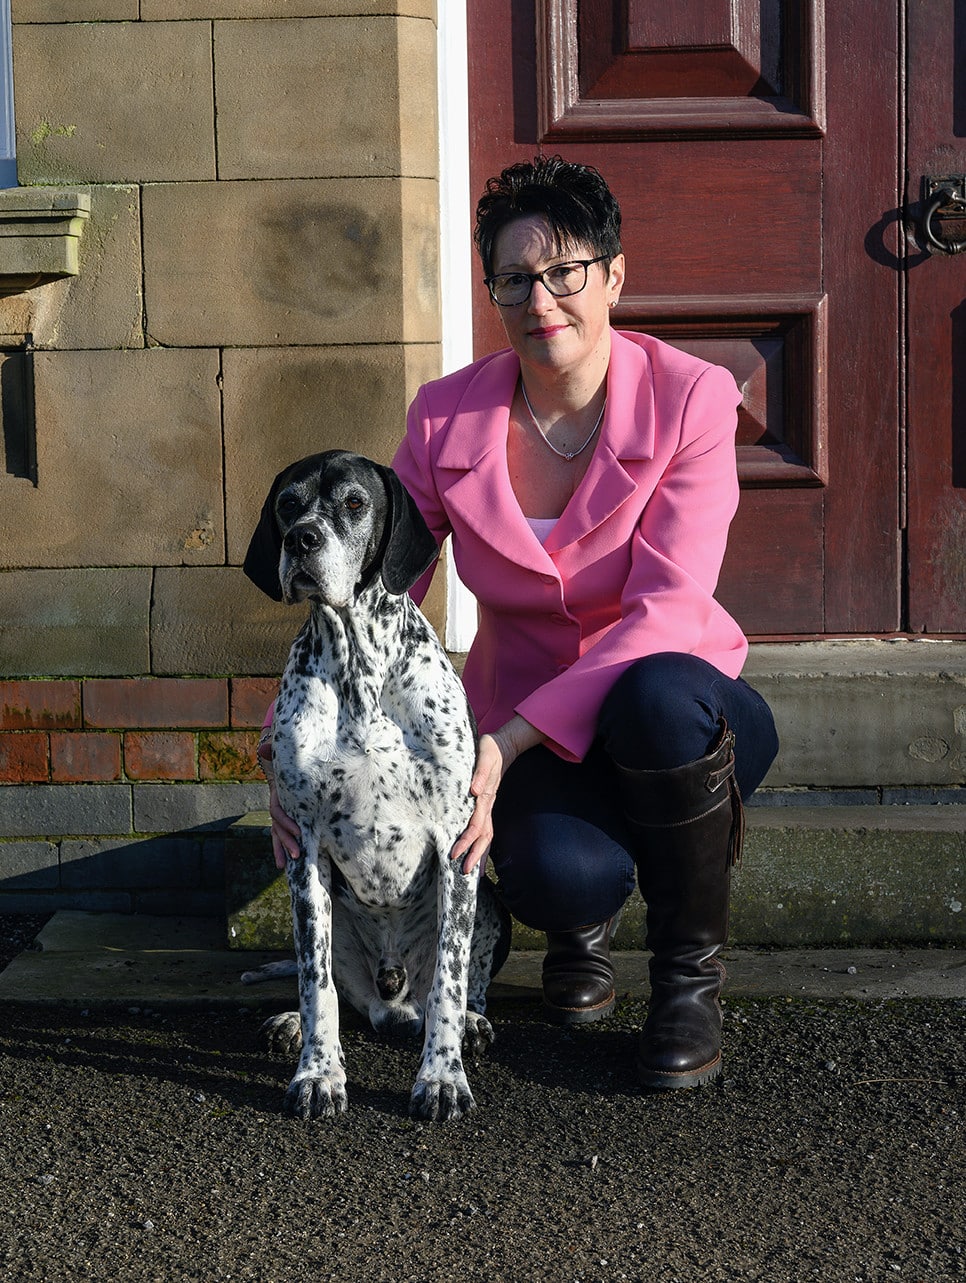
[{"x": 302, "y": 539}]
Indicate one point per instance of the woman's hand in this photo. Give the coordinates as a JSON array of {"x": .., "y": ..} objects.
[
  {"x": 286, "y": 837},
  {"x": 496, "y": 753}
]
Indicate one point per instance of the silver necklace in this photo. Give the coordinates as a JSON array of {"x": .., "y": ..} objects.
[{"x": 563, "y": 454}]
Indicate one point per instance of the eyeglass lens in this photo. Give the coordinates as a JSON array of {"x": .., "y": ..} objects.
[{"x": 561, "y": 280}]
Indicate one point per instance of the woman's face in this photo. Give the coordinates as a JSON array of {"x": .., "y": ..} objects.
[{"x": 556, "y": 334}]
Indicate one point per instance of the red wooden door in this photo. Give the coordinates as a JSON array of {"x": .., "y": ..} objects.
[{"x": 754, "y": 147}]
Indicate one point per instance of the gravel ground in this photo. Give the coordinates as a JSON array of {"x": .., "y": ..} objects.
[{"x": 150, "y": 1146}]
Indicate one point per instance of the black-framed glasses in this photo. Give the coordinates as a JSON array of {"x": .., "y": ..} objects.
[{"x": 509, "y": 289}]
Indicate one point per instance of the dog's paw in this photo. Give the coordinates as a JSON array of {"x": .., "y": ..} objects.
[
  {"x": 441, "y": 1100},
  {"x": 311, "y": 1096},
  {"x": 281, "y": 1035},
  {"x": 478, "y": 1036}
]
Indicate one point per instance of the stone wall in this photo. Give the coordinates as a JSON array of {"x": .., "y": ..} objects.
[{"x": 258, "y": 281}]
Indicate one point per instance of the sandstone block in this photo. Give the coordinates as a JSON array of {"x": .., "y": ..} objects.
[
  {"x": 281, "y": 405},
  {"x": 113, "y": 102},
  {"x": 65, "y": 622},
  {"x": 74, "y": 10},
  {"x": 153, "y": 10},
  {"x": 213, "y": 620},
  {"x": 292, "y": 105},
  {"x": 146, "y": 488},
  {"x": 292, "y": 262}
]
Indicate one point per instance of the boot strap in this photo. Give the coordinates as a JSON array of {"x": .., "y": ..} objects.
[{"x": 649, "y": 795}]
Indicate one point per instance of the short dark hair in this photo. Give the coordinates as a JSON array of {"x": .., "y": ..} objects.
[{"x": 574, "y": 199}]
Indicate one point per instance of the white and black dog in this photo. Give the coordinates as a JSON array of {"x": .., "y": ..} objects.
[{"x": 373, "y": 748}]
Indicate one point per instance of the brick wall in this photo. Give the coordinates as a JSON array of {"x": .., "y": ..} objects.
[
  {"x": 115, "y": 794},
  {"x": 258, "y": 281}
]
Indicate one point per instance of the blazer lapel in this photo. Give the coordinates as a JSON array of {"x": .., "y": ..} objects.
[{"x": 474, "y": 453}]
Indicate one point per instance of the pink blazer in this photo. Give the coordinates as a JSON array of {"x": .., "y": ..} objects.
[{"x": 629, "y": 569}]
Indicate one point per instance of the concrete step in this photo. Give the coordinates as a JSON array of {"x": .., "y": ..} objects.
[
  {"x": 810, "y": 876},
  {"x": 887, "y": 716}
]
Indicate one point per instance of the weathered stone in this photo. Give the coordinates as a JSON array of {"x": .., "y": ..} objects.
[
  {"x": 853, "y": 876},
  {"x": 292, "y": 262},
  {"x": 40, "y": 234},
  {"x": 257, "y": 904},
  {"x": 169, "y": 808},
  {"x": 865, "y": 713},
  {"x": 100, "y": 307},
  {"x": 113, "y": 102},
  {"x": 214, "y": 620},
  {"x": 282, "y": 404},
  {"x": 75, "y": 10},
  {"x": 128, "y": 463},
  {"x": 131, "y": 864},
  {"x": 54, "y": 810},
  {"x": 292, "y": 105},
  {"x": 152, "y": 10},
  {"x": 69, "y": 622},
  {"x": 28, "y": 866}
]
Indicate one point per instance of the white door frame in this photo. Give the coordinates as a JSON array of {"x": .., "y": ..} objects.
[{"x": 456, "y": 256}]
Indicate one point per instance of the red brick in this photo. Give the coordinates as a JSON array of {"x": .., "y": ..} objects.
[
  {"x": 228, "y": 755},
  {"x": 84, "y": 756},
  {"x": 39, "y": 705},
  {"x": 155, "y": 701},
  {"x": 160, "y": 755},
  {"x": 23, "y": 758},
  {"x": 250, "y": 698}
]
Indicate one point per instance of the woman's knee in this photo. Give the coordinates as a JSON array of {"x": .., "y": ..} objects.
[{"x": 660, "y": 713}]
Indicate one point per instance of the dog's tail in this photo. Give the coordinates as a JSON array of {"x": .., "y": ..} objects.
[{"x": 270, "y": 971}]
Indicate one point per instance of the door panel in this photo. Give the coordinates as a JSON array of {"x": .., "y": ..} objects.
[
  {"x": 936, "y": 384},
  {"x": 755, "y": 184}
]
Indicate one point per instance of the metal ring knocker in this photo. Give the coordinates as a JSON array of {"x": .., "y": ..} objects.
[{"x": 944, "y": 193}]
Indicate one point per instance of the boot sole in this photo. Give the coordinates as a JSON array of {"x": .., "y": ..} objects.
[
  {"x": 579, "y": 1015},
  {"x": 660, "y": 1080}
]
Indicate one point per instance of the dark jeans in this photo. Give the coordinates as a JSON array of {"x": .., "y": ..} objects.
[{"x": 561, "y": 848}]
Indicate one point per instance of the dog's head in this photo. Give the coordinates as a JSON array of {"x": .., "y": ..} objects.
[{"x": 330, "y": 524}]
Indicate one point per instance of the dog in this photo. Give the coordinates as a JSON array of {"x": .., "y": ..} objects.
[{"x": 373, "y": 748}]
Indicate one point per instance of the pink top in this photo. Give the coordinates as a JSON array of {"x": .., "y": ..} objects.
[{"x": 630, "y": 567}]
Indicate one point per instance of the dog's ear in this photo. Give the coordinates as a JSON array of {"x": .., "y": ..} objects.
[
  {"x": 265, "y": 548},
  {"x": 409, "y": 548}
]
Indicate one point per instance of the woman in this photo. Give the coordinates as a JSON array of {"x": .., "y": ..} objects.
[{"x": 587, "y": 478}]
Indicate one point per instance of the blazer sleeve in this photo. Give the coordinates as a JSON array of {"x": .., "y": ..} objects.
[
  {"x": 667, "y": 599},
  {"x": 413, "y": 465}
]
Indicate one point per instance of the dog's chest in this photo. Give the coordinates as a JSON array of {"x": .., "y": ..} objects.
[{"x": 376, "y": 768}]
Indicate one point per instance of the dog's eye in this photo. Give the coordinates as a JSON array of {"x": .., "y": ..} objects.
[{"x": 354, "y": 502}]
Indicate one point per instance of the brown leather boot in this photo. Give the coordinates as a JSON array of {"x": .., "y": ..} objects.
[
  {"x": 578, "y": 976},
  {"x": 690, "y": 824}
]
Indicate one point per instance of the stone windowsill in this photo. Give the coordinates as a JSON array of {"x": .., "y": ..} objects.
[{"x": 40, "y": 231}]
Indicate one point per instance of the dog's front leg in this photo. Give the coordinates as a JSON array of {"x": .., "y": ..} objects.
[
  {"x": 318, "y": 1088},
  {"x": 441, "y": 1091}
]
